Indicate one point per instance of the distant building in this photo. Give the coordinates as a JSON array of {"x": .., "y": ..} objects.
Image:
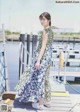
[{"x": 62, "y": 30}]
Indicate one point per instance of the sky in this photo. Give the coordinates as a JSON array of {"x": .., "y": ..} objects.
[{"x": 23, "y": 15}]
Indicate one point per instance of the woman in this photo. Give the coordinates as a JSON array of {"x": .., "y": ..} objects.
[{"x": 36, "y": 87}]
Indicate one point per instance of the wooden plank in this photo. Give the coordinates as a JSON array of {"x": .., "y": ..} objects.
[
  {"x": 61, "y": 105},
  {"x": 60, "y": 98},
  {"x": 22, "y": 110}
]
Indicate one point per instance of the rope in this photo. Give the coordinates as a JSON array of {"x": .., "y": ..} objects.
[
  {"x": 70, "y": 110},
  {"x": 59, "y": 81},
  {"x": 73, "y": 88}
]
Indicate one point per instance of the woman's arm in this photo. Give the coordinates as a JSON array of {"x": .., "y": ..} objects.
[{"x": 44, "y": 42}]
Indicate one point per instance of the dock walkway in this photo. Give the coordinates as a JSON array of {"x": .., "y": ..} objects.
[{"x": 60, "y": 102}]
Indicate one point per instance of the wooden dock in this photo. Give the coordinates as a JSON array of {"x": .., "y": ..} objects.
[{"x": 60, "y": 102}]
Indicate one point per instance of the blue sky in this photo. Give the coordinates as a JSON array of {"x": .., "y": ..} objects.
[{"x": 23, "y": 15}]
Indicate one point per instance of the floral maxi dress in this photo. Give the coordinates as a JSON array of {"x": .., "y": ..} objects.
[{"x": 34, "y": 83}]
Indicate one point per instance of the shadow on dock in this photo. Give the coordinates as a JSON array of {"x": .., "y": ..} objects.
[{"x": 22, "y": 105}]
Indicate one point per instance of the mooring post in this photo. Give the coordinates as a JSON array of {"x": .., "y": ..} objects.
[
  {"x": 28, "y": 48},
  {"x": 36, "y": 39},
  {"x": 34, "y": 42}
]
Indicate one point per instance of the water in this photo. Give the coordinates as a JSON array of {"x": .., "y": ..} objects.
[
  {"x": 73, "y": 89},
  {"x": 12, "y": 54}
]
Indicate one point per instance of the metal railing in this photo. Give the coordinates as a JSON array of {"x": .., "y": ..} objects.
[
  {"x": 2, "y": 74},
  {"x": 26, "y": 50},
  {"x": 4, "y": 82}
]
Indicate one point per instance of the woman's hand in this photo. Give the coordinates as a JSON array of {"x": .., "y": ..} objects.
[{"x": 37, "y": 65}]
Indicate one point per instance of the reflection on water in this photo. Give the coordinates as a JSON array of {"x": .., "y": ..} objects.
[{"x": 12, "y": 54}]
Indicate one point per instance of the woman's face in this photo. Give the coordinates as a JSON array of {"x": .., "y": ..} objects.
[{"x": 44, "y": 22}]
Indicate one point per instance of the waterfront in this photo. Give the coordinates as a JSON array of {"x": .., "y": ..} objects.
[{"x": 12, "y": 55}]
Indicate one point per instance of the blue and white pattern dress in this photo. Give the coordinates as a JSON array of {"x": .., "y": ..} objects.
[{"x": 31, "y": 85}]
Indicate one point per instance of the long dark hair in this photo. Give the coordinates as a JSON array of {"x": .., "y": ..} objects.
[{"x": 47, "y": 16}]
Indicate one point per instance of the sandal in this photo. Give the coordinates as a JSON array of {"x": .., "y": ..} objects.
[
  {"x": 37, "y": 106},
  {"x": 47, "y": 104}
]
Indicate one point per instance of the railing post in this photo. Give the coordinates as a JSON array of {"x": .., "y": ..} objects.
[
  {"x": 22, "y": 52},
  {"x": 66, "y": 57},
  {"x": 6, "y": 67}
]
